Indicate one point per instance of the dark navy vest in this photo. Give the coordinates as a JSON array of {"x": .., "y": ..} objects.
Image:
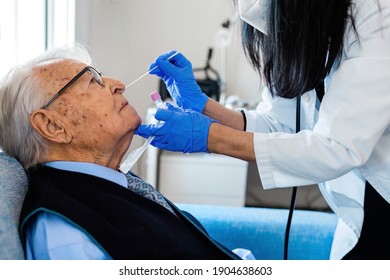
[{"x": 124, "y": 224}]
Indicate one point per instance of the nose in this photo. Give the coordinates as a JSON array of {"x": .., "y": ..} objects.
[{"x": 116, "y": 86}]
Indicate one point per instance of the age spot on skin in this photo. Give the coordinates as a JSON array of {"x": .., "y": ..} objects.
[
  {"x": 75, "y": 123},
  {"x": 65, "y": 112}
]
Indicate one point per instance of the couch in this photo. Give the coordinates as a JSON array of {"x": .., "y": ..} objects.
[
  {"x": 262, "y": 230},
  {"x": 13, "y": 188}
]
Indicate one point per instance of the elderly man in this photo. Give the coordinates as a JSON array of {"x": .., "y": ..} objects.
[{"x": 70, "y": 127}]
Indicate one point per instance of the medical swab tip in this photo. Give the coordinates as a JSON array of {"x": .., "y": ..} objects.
[{"x": 155, "y": 95}]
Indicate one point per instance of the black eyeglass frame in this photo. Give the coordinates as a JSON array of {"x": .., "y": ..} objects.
[{"x": 92, "y": 71}]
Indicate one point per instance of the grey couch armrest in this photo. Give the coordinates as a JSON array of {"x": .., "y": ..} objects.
[{"x": 13, "y": 188}]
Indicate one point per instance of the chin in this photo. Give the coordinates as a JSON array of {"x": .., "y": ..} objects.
[{"x": 139, "y": 120}]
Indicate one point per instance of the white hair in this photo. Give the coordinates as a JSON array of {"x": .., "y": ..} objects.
[{"x": 20, "y": 94}]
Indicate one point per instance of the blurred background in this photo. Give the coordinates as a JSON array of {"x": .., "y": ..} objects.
[{"x": 124, "y": 37}]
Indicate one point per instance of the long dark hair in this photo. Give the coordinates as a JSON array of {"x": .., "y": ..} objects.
[{"x": 305, "y": 38}]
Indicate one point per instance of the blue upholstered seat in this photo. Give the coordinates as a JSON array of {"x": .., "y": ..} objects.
[
  {"x": 13, "y": 188},
  {"x": 262, "y": 230}
]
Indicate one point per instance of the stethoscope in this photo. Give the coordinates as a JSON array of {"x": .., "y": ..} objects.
[
  {"x": 294, "y": 189},
  {"x": 320, "y": 91}
]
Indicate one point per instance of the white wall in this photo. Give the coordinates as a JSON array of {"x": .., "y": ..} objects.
[{"x": 125, "y": 36}]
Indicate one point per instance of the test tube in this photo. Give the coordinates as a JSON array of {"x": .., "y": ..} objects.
[{"x": 156, "y": 98}]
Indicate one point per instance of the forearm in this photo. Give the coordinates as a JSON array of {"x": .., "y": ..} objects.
[
  {"x": 223, "y": 115},
  {"x": 227, "y": 141}
]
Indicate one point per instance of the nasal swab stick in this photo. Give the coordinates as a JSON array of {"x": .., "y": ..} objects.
[{"x": 155, "y": 67}]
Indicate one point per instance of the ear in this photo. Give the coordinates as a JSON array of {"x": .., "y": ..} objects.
[{"x": 50, "y": 127}]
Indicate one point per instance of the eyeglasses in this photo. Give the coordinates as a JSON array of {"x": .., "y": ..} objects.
[{"x": 96, "y": 75}]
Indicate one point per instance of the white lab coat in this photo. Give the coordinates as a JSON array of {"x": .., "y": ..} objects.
[{"x": 344, "y": 143}]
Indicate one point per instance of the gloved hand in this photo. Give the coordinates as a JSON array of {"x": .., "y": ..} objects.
[
  {"x": 179, "y": 79},
  {"x": 181, "y": 130}
]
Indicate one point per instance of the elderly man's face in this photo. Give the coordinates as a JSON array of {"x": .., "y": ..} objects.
[{"x": 99, "y": 118}]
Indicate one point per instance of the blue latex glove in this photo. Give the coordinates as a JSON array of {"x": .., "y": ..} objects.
[
  {"x": 181, "y": 130},
  {"x": 179, "y": 79}
]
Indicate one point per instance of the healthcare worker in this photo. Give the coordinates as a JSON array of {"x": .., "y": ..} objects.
[{"x": 344, "y": 140}]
